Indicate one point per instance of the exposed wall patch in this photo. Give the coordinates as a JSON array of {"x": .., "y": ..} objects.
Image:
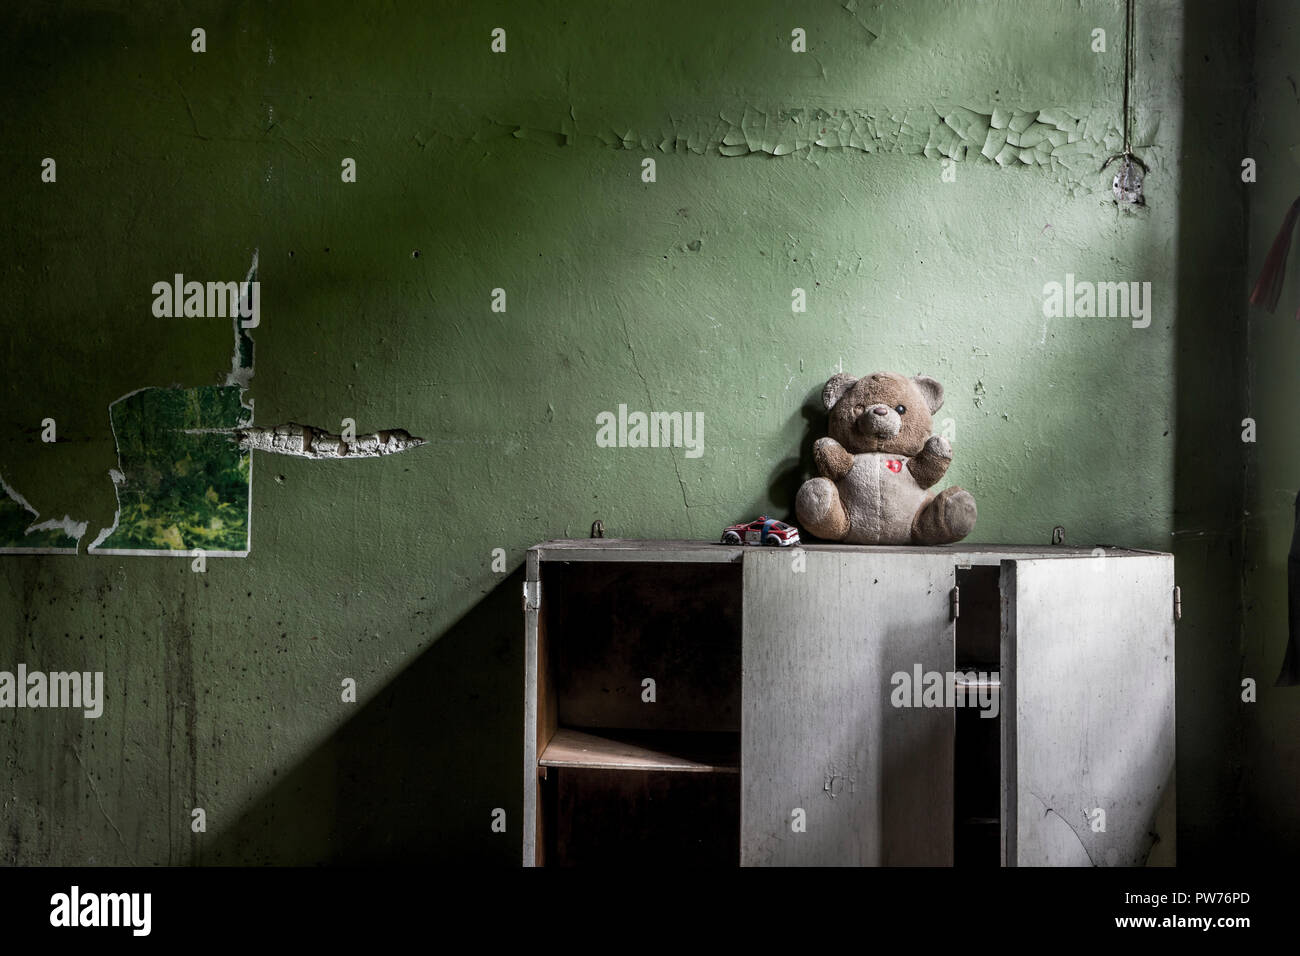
[
  {"x": 184, "y": 475},
  {"x": 306, "y": 441}
]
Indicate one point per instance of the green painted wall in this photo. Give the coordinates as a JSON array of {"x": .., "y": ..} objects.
[{"x": 775, "y": 170}]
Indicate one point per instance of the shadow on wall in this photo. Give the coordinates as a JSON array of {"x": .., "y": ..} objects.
[
  {"x": 413, "y": 777},
  {"x": 1208, "y": 487},
  {"x": 790, "y": 473}
]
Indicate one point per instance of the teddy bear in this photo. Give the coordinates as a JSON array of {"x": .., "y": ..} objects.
[{"x": 876, "y": 466}]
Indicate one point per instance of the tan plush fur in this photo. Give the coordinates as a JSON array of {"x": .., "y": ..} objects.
[{"x": 875, "y": 469}]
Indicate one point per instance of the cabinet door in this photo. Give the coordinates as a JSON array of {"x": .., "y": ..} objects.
[
  {"x": 825, "y": 634},
  {"x": 1088, "y": 710}
]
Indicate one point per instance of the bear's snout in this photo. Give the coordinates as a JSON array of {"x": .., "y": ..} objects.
[{"x": 880, "y": 421}]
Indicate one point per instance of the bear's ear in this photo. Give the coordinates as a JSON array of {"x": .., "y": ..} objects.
[
  {"x": 932, "y": 391},
  {"x": 835, "y": 389}
]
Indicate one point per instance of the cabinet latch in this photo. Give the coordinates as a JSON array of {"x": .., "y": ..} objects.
[
  {"x": 956, "y": 602},
  {"x": 1178, "y": 603},
  {"x": 532, "y": 595}
]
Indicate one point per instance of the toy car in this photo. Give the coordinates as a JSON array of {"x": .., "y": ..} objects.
[{"x": 765, "y": 530}]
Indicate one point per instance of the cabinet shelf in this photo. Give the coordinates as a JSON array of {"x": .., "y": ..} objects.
[{"x": 648, "y": 750}]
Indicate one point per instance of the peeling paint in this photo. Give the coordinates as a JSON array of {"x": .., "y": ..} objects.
[
  {"x": 918, "y": 268},
  {"x": 153, "y": 412},
  {"x": 838, "y": 780},
  {"x": 181, "y": 482},
  {"x": 851, "y": 6},
  {"x": 73, "y": 529},
  {"x": 20, "y": 533},
  {"x": 241, "y": 360},
  {"x": 1052, "y": 139},
  {"x": 117, "y": 478},
  {"x": 306, "y": 441}
]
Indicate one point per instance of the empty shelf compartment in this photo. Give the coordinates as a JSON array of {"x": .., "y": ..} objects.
[{"x": 690, "y": 752}]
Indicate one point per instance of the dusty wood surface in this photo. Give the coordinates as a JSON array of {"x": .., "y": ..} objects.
[{"x": 621, "y": 750}]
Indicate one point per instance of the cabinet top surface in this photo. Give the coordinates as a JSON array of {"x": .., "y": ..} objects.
[{"x": 634, "y": 549}]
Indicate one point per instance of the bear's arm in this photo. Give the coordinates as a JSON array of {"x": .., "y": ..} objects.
[
  {"x": 929, "y": 467},
  {"x": 833, "y": 460}
]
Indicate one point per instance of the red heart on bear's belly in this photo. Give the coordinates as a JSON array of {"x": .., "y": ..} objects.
[{"x": 894, "y": 466}]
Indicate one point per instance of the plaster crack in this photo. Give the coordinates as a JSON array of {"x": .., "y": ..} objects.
[
  {"x": 100, "y": 803},
  {"x": 194, "y": 123},
  {"x": 636, "y": 367}
]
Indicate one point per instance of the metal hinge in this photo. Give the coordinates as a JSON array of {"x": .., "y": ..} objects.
[
  {"x": 532, "y": 595},
  {"x": 956, "y": 602},
  {"x": 1178, "y": 603}
]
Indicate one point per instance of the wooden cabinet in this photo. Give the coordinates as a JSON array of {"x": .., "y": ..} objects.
[{"x": 698, "y": 704}]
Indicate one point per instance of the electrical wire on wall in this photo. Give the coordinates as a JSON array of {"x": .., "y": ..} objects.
[{"x": 1127, "y": 185}]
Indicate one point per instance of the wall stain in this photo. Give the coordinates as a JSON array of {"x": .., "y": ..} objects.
[{"x": 178, "y": 677}]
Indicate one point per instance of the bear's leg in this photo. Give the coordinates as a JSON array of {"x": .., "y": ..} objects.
[
  {"x": 945, "y": 518},
  {"x": 820, "y": 510}
]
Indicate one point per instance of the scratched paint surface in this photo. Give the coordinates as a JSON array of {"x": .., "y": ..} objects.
[{"x": 821, "y": 171}]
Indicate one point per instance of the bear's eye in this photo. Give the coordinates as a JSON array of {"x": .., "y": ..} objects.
[{"x": 900, "y": 408}]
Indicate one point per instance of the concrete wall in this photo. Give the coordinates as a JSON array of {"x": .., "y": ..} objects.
[
  {"x": 1210, "y": 384},
  {"x": 1271, "y": 751},
  {"x": 822, "y": 171}
]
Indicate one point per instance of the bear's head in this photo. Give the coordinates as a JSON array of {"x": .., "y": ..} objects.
[{"x": 882, "y": 412}]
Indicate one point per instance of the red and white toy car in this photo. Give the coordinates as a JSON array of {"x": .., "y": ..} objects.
[{"x": 765, "y": 530}]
